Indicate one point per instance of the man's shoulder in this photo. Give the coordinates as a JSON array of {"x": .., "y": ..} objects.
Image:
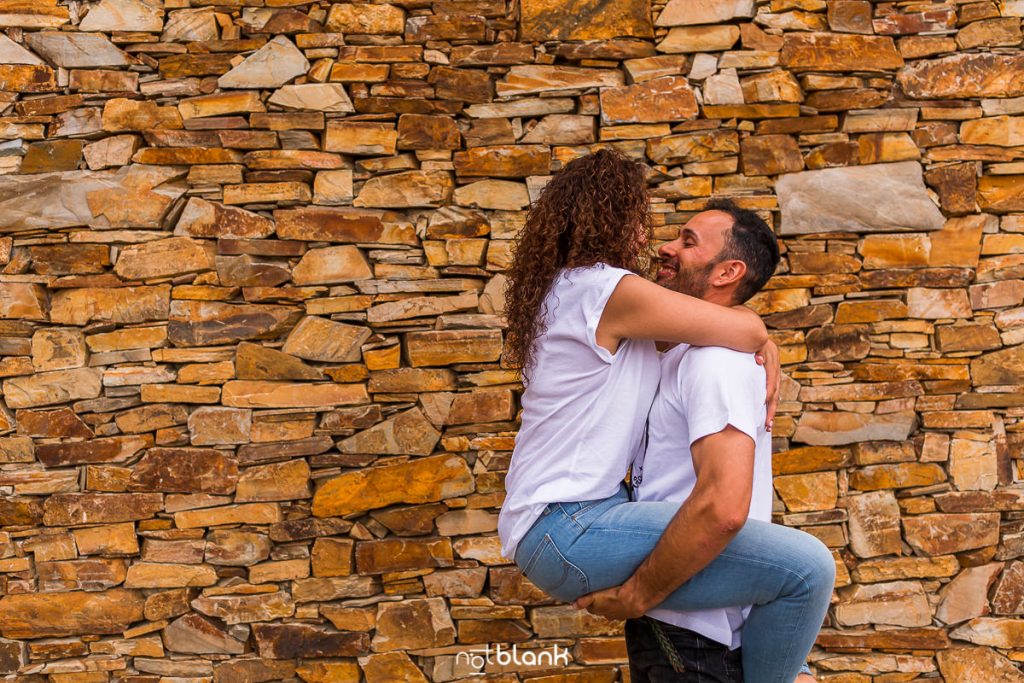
[{"x": 714, "y": 361}]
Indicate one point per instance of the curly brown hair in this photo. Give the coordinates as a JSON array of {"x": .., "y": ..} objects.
[{"x": 595, "y": 210}]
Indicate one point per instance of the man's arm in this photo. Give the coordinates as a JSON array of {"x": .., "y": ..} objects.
[{"x": 706, "y": 522}]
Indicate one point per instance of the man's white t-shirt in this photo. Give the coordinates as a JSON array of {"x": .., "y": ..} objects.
[
  {"x": 702, "y": 390},
  {"x": 584, "y": 408}
]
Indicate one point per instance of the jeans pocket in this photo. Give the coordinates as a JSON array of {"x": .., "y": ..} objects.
[{"x": 548, "y": 569}]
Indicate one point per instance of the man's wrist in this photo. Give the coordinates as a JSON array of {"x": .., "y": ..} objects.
[{"x": 634, "y": 594}]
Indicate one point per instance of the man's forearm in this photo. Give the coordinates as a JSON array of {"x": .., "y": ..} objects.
[{"x": 694, "y": 537}]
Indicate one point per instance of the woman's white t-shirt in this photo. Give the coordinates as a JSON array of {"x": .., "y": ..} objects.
[{"x": 584, "y": 408}]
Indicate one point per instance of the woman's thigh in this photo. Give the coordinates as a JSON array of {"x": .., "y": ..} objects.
[{"x": 753, "y": 569}]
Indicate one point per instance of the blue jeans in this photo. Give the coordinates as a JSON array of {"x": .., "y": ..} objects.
[{"x": 786, "y": 574}]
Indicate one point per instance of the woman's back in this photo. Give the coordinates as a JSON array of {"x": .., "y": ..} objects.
[{"x": 584, "y": 408}]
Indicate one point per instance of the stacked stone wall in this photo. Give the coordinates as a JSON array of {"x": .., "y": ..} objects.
[{"x": 255, "y": 418}]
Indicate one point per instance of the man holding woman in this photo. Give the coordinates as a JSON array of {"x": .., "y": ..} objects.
[{"x": 584, "y": 325}]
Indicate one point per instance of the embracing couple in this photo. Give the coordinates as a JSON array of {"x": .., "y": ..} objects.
[{"x": 660, "y": 380}]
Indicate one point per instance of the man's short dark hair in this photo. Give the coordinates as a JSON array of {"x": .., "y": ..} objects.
[{"x": 750, "y": 241}]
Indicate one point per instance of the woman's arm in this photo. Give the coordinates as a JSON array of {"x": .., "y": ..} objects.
[{"x": 639, "y": 309}]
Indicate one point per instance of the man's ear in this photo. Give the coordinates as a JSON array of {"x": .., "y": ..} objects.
[{"x": 729, "y": 272}]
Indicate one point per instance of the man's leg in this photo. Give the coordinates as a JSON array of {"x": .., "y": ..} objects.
[
  {"x": 694, "y": 658},
  {"x": 786, "y": 574}
]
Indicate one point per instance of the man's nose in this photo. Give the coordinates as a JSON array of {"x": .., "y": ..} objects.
[{"x": 668, "y": 249}]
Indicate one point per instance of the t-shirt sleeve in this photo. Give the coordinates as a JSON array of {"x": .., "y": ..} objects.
[
  {"x": 606, "y": 279},
  {"x": 721, "y": 387}
]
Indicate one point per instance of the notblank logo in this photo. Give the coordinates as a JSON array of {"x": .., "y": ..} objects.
[{"x": 534, "y": 657}]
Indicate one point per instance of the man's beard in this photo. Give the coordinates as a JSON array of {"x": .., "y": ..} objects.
[{"x": 692, "y": 281}]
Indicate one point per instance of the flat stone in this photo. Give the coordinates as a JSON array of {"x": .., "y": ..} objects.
[
  {"x": 185, "y": 470},
  {"x": 544, "y": 20},
  {"x": 331, "y": 265},
  {"x": 27, "y": 78},
  {"x": 248, "y": 513},
  {"x": 838, "y": 428},
  {"x": 343, "y": 224},
  {"x": 290, "y": 641},
  {"x": 406, "y": 189},
  {"x": 660, "y": 99},
  {"x": 273, "y": 65},
  {"x": 830, "y": 199},
  {"x": 413, "y": 624},
  {"x": 770, "y": 155},
  {"x": 58, "y": 349},
  {"x": 320, "y": 339},
  {"x": 314, "y": 97},
  {"x": 995, "y": 632},
  {"x": 1004, "y": 131},
  {"x": 56, "y": 155},
  {"x": 456, "y": 346},
  {"x": 169, "y": 575},
  {"x": 537, "y": 78},
  {"x": 163, "y": 258},
  {"x": 40, "y": 615},
  {"x": 124, "y": 15},
  {"x": 687, "y": 12},
  {"x": 1001, "y": 194},
  {"x": 838, "y": 52},
  {"x": 423, "y": 131},
  {"x": 230, "y": 547},
  {"x": 900, "y": 603},
  {"x": 244, "y": 609},
  {"x": 22, "y": 300},
  {"x": 1005, "y": 366},
  {"x": 501, "y": 195},
  {"x": 703, "y": 39},
  {"x": 76, "y": 50},
  {"x": 897, "y": 475},
  {"x": 190, "y": 25},
  {"x": 980, "y": 74},
  {"x": 205, "y": 323},
  {"x": 109, "y": 449},
  {"x": 136, "y": 196},
  {"x": 195, "y": 634},
  {"x": 407, "y": 432},
  {"x": 889, "y": 569},
  {"x": 423, "y": 480},
  {"x": 941, "y": 534},
  {"x": 257, "y": 394},
  {"x": 218, "y": 425},
  {"x": 67, "y": 509},
  {"x": 966, "y": 596},
  {"x": 965, "y": 664},
  {"x": 253, "y": 361},
  {"x": 277, "y": 481},
  {"x": 874, "y": 524},
  {"x": 365, "y": 18},
  {"x": 201, "y": 218},
  {"x": 48, "y": 388}
]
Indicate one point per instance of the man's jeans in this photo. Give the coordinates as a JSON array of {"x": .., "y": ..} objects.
[{"x": 577, "y": 548}]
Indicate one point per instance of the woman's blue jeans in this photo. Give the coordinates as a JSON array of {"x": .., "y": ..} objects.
[{"x": 786, "y": 574}]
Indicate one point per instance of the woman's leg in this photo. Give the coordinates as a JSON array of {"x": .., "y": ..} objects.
[{"x": 786, "y": 574}]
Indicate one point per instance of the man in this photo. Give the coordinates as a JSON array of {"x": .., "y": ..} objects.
[{"x": 707, "y": 445}]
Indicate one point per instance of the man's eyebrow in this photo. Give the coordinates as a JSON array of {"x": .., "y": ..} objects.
[{"x": 688, "y": 232}]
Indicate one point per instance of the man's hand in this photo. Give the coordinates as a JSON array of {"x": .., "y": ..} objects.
[
  {"x": 610, "y": 603},
  {"x": 768, "y": 356}
]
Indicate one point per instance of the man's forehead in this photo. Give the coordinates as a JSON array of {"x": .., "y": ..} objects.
[{"x": 708, "y": 224}]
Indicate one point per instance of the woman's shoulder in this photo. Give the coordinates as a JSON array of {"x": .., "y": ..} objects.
[{"x": 591, "y": 273}]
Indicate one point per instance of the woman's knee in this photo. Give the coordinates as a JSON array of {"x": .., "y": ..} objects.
[{"x": 820, "y": 564}]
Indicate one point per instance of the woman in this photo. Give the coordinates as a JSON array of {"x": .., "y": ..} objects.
[{"x": 583, "y": 325}]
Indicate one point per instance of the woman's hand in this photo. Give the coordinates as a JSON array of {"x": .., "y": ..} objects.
[{"x": 768, "y": 356}]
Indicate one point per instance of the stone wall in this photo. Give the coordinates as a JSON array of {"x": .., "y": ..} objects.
[{"x": 255, "y": 420}]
